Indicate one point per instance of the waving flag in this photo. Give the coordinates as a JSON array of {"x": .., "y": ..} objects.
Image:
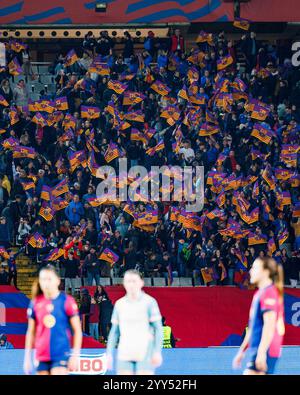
[
  {"x": 109, "y": 256},
  {"x": 37, "y": 241},
  {"x": 209, "y": 275},
  {"x": 159, "y": 146},
  {"x": 59, "y": 204},
  {"x": 17, "y": 46},
  {"x": 147, "y": 218},
  {"x": 99, "y": 68},
  {"x": 117, "y": 86},
  {"x": 46, "y": 193},
  {"x": 61, "y": 103},
  {"x": 241, "y": 23},
  {"x": 90, "y": 112},
  {"x": 61, "y": 188},
  {"x": 136, "y": 135},
  {"x": 71, "y": 58},
  {"x": 92, "y": 164},
  {"x": 77, "y": 158},
  {"x": 254, "y": 239},
  {"x": 160, "y": 88},
  {"x": 282, "y": 236},
  {"x": 112, "y": 152},
  {"x": 136, "y": 116},
  {"x": 260, "y": 113},
  {"x": 14, "y": 67},
  {"x": 46, "y": 212},
  {"x": 39, "y": 119},
  {"x": 3, "y": 101},
  {"x": 23, "y": 152},
  {"x": 205, "y": 37},
  {"x": 10, "y": 143},
  {"x": 269, "y": 178},
  {"x": 13, "y": 115},
  {"x": 296, "y": 210},
  {"x": 55, "y": 254},
  {"x": 271, "y": 246},
  {"x": 27, "y": 185},
  {"x": 262, "y": 133},
  {"x": 132, "y": 98},
  {"x": 224, "y": 62}
]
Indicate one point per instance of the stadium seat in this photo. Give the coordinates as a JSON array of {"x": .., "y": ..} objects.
[
  {"x": 105, "y": 281},
  {"x": 185, "y": 282},
  {"x": 159, "y": 282},
  {"x": 34, "y": 69},
  {"x": 117, "y": 281},
  {"x": 37, "y": 86},
  {"x": 148, "y": 281},
  {"x": 43, "y": 69},
  {"x": 34, "y": 96},
  {"x": 175, "y": 282},
  {"x": 51, "y": 88},
  {"x": 46, "y": 79}
]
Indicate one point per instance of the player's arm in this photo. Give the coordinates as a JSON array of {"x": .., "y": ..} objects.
[
  {"x": 29, "y": 345},
  {"x": 71, "y": 310},
  {"x": 269, "y": 327},
  {"x": 113, "y": 338},
  {"x": 240, "y": 354},
  {"x": 155, "y": 322},
  {"x": 77, "y": 334}
]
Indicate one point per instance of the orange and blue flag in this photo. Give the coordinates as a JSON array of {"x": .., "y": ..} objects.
[
  {"x": 71, "y": 58},
  {"x": 109, "y": 256}
]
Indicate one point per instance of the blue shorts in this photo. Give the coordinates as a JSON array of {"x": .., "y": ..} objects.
[
  {"x": 48, "y": 365},
  {"x": 271, "y": 363}
]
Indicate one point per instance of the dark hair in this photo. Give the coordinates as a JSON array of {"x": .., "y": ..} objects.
[
  {"x": 276, "y": 272},
  {"x": 36, "y": 289}
]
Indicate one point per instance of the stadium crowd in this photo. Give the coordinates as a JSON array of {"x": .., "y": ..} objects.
[{"x": 164, "y": 105}]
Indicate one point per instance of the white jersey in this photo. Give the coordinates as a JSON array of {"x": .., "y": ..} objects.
[{"x": 134, "y": 318}]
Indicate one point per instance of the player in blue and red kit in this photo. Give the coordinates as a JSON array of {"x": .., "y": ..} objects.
[
  {"x": 266, "y": 321},
  {"x": 51, "y": 316}
]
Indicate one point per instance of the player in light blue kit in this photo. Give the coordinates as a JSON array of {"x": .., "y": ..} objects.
[{"x": 137, "y": 328}]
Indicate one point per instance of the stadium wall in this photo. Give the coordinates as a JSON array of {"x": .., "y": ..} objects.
[
  {"x": 32, "y": 12},
  {"x": 200, "y": 316}
]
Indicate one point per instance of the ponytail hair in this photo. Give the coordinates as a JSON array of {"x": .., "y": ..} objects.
[
  {"x": 36, "y": 289},
  {"x": 276, "y": 273}
]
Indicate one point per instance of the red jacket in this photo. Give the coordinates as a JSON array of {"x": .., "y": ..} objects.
[{"x": 174, "y": 40}]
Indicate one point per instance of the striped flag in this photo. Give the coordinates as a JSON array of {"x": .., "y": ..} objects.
[
  {"x": 13, "y": 115},
  {"x": 61, "y": 103},
  {"x": 71, "y": 58},
  {"x": 224, "y": 62},
  {"x": 46, "y": 193},
  {"x": 3, "y": 101},
  {"x": 112, "y": 152},
  {"x": 46, "y": 212},
  {"x": 160, "y": 88},
  {"x": 241, "y": 23},
  {"x": 23, "y": 152},
  {"x": 37, "y": 241},
  {"x": 159, "y": 146},
  {"x": 14, "y": 67},
  {"x": 117, "y": 86},
  {"x": 55, "y": 254},
  {"x": 109, "y": 256},
  {"x": 90, "y": 112},
  {"x": 61, "y": 188}
]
